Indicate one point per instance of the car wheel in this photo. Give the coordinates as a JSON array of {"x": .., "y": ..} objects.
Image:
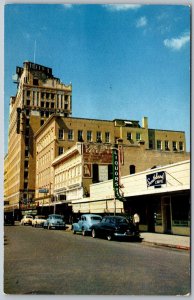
[
  {"x": 109, "y": 237},
  {"x": 93, "y": 233}
]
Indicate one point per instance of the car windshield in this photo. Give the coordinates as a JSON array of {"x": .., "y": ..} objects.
[
  {"x": 122, "y": 221},
  {"x": 96, "y": 218}
]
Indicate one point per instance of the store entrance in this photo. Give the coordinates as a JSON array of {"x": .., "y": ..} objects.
[{"x": 166, "y": 210}]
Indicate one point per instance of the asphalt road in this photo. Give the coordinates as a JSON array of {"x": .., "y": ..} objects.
[{"x": 39, "y": 261}]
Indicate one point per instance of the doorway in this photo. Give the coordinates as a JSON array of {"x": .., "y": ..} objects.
[{"x": 166, "y": 211}]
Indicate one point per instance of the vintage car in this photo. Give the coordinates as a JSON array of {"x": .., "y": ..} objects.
[
  {"x": 38, "y": 221},
  {"x": 9, "y": 219},
  {"x": 85, "y": 223},
  {"x": 26, "y": 220},
  {"x": 114, "y": 227},
  {"x": 54, "y": 221}
]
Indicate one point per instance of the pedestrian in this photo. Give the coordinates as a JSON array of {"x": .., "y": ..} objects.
[{"x": 136, "y": 220}]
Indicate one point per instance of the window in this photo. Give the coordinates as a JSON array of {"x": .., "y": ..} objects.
[
  {"x": 52, "y": 96},
  {"x": 80, "y": 135},
  {"x": 107, "y": 137},
  {"x": 129, "y": 136},
  {"x": 89, "y": 136},
  {"x": 166, "y": 144},
  {"x": 47, "y": 95},
  {"x": 28, "y": 93},
  {"x": 174, "y": 146},
  {"x": 138, "y": 136},
  {"x": 42, "y": 104},
  {"x": 52, "y": 105},
  {"x": 70, "y": 135},
  {"x": 151, "y": 144},
  {"x": 47, "y": 104},
  {"x": 60, "y": 150},
  {"x": 41, "y": 122},
  {"x": 159, "y": 145},
  {"x": 98, "y": 137},
  {"x": 181, "y": 146},
  {"x": 35, "y": 81},
  {"x": 42, "y": 95},
  {"x": 28, "y": 102},
  {"x": 60, "y": 134},
  {"x": 131, "y": 169}
]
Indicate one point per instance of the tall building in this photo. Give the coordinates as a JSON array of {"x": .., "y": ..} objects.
[{"x": 39, "y": 94}]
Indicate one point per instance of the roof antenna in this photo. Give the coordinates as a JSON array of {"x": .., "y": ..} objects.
[{"x": 34, "y": 50}]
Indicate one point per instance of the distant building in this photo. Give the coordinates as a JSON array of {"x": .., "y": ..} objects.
[{"x": 39, "y": 94}]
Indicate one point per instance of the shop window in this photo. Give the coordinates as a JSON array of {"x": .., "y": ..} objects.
[
  {"x": 180, "y": 210},
  {"x": 132, "y": 169}
]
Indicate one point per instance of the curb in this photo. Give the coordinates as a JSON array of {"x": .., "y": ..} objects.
[{"x": 168, "y": 245}]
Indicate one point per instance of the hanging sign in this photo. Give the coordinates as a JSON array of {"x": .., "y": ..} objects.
[{"x": 115, "y": 163}]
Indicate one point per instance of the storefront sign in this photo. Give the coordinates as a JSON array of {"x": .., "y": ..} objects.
[
  {"x": 156, "y": 179},
  {"x": 115, "y": 163}
]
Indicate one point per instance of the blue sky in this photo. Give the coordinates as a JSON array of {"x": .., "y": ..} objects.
[{"x": 124, "y": 61}]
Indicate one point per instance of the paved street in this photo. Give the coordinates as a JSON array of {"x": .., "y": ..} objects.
[{"x": 39, "y": 261}]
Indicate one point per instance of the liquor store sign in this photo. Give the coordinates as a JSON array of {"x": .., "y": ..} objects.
[
  {"x": 156, "y": 179},
  {"x": 115, "y": 163}
]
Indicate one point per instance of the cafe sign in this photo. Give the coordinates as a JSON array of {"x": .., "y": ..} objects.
[{"x": 156, "y": 179}]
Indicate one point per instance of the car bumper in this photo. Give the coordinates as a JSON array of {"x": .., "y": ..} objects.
[{"x": 125, "y": 234}]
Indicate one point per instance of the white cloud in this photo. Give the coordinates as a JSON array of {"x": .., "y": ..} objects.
[
  {"x": 119, "y": 7},
  {"x": 68, "y": 5},
  {"x": 177, "y": 43},
  {"x": 141, "y": 22}
]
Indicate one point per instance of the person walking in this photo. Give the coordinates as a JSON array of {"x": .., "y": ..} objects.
[{"x": 136, "y": 220}]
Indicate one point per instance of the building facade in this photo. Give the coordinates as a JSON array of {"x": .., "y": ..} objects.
[
  {"x": 161, "y": 196},
  {"x": 39, "y": 94}
]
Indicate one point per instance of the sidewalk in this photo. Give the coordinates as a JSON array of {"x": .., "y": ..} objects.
[{"x": 168, "y": 240}]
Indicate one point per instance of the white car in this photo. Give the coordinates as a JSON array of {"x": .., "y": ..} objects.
[
  {"x": 27, "y": 220},
  {"x": 38, "y": 221}
]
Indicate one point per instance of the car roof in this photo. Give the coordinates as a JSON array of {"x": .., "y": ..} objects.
[
  {"x": 91, "y": 215},
  {"x": 52, "y": 215}
]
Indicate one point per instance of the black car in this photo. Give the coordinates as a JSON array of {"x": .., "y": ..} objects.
[
  {"x": 114, "y": 227},
  {"x": 9, "y": 219}
]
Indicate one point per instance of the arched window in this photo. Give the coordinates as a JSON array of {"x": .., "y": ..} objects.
[{"x": 131, "y": 169}]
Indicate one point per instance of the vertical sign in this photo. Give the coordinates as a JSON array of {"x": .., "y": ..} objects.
[{"x": 115, "y": 163}]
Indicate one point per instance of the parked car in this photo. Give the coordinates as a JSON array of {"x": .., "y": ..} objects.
[
  {"x": 38, "y": 221},
  {"x": 54, "y": 221},
  {"x": 9, "y": 219},
  {"x": 26, "y": 220},
  {"x": 85, "y": 223},
  {"x": 114, "y": 227}
]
